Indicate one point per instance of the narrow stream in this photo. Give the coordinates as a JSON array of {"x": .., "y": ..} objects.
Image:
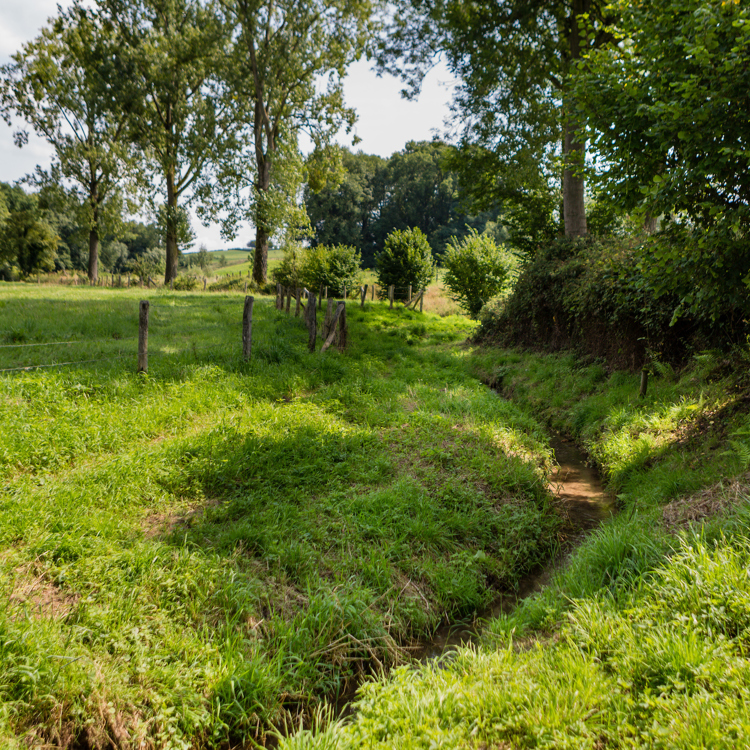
[{"x": 586, "y": 506}]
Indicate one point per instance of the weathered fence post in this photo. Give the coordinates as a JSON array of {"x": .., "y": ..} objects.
[
  {"x": 409, "y": 294},
  {"x": 288, "y": 299},
  {"x": 333, "y": 326},
  {"x": 421, "y": 300},
  {"x": 391, "y": 290},
  {"x": 343, "y": 329},
  {"x": 373, "y": 293},
  {"x": 297, "y": 295},
  {"x": 143, "y": 336},
  {"x": 205, "y": 281},
  {"x": 247, "y": 327},
  {"x": 327, "y": 320},
  {"x": 311, "y": 315},
  {"x": 246, "y": 287},
  {"x": 344, "y": 291},
  {"x": 364, "y": 296}
]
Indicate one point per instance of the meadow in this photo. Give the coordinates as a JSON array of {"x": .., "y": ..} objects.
[
  {"x": 641, "y": 638},
  {"x": 199, "y": 555}
]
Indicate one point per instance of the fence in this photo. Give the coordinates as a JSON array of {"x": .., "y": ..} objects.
[{"x": 333, "y": 330}]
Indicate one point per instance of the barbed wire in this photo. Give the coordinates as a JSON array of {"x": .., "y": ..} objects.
[
  {"x": 68, "y": 343},
  {"x": 64, "y": 364}
]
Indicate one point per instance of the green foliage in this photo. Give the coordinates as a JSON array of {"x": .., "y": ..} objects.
[
  {"x": 335, "y": 266},
  {"x": 661, "y": 106},
  {"x": 476, "y": 270},
  {"x": 26, "y": 238},
  {"x": 406, "y": 259},
  {"x": 414, "y": 187}
]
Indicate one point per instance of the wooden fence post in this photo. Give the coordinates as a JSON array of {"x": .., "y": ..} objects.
[
  {"x": 333, "y": 326},
  {"x": 247, "y": 327},
  {"x": 311, "y": 315},
  {"x": 409, "y": 293},
  {"x": 288, "y": 299},
  {"x": 421, "y": 300},
  {"x": 246, "y": 287},
  {"x": 391, "y": 290},
  {"x": 205, "y": 281},
  {"x": 364, "y": 296},
  {"x": 297, "y": 294},
  {"x": 327, "y": 320},
  {"x": 343, "y": 329},
  {"x": 373, "y": 293},
  {"x": 171, "y": 285},
  {"x": 143, "y": 336},
  {"x": 644, "y": 383},
  {"x": 344, "y": 291}
]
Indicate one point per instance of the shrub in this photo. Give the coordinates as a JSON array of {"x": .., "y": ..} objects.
[
  {"x": 477, "y": 270},
  {"x": 406, "y": 259},
  {"x": 186, "y": 283},
  {"x": 334, "y": 266},
  {"x": 288, "y": 271}
]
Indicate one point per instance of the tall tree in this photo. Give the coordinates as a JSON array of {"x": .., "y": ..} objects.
[
  {"x": 512, "y": 107},
  {"x": 60, "y": 83},
  {"x": 286, "y": 48},
  {"x": 186, "y": 120}
]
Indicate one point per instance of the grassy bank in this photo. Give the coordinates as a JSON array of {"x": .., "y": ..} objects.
[
  {"x": 641, "y": 640},
  {"x": 191, "y": 557}
]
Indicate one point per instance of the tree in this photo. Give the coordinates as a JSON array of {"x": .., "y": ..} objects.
[
  {"x": 26, "y": 238},
  {"x": 186, "y": 120},
  {"x": 286, "y": 49},
  {"x": 513, "y": 108},
  {"x": 406, "y": 260},
  {"x": 476, "y": 270},
  {"x": 60, "y": 84},
  {"x": 666, "y": 105}
]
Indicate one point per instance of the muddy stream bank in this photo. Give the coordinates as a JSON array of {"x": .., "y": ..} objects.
[{"x": 585, "y": 505}]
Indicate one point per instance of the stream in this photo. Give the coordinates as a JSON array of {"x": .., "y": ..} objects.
[{"x": 586, "y": 506}]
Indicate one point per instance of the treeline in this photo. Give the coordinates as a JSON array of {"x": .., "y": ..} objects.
[{"x": 413, "y": 188}]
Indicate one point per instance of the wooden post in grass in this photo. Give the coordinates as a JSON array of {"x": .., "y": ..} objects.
[
  {"x": 409, "y": 292},
  {"x": 644, "y": 383},
  {"x": 171, "y": 285},
  {"x": 343, "y": 329},
  {"x": 288, "y": 299},
  {"x": 278, "y": 296},
  {"x": 344, "y": 291},
  {"x": 391, "y": 290},
  {"x": 247, "y": 327},
  {"x": 143, "y": 336},
  {"x": 421, "y": 299},
  {"x": 246, "y": 287},
  {"x": 205, "y": 280},
  {"x": 364, "y": 296},
  {"x": 333, "y": 325},
  {"x": 297, "y": 293},
  {"x": 311, "y": 316},
  {"x": 327, "y": 320},
  {"x": 320, "y": 296},
  {"x": 373, "y": 293}
]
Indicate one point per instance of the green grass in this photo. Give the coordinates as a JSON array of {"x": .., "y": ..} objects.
[
  {"x": 191, "y": 557},
  {"x": 641, "y": 638}
]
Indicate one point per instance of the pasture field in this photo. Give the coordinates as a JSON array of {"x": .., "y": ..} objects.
[
  {"x": 193, "y": 557},
  {"x": 641, "y": 638}
]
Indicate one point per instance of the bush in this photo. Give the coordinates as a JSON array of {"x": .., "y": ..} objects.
[
  {"x": 334, "y": 266},
  {"x": 477, "y": 270},
  {"x": 186, "y": 283},
  {"x": 405, "y": 260}
]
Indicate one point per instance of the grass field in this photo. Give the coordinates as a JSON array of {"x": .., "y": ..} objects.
[
  {"x": 641, "y": 640},
  {"x": 191, "y": 557}
]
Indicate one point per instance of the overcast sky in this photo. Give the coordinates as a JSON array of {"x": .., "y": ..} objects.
[{"x": 386, "y": 121}]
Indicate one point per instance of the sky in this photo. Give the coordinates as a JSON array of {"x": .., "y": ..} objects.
[{"x": 386, "y": 121}]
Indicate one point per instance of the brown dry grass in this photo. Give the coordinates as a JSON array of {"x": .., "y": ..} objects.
[
  {"x": 712, "y": 501},
  {"x": 39, "y": 597}
]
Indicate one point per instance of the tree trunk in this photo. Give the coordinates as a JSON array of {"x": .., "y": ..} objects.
[
  {"x": 574, "y": 207},
  {"x": 93, "y": 254},
  {"x": 574, "y": 149},
  {"x": 171, "y": 236},
  {"x": 262, "y": 185}
]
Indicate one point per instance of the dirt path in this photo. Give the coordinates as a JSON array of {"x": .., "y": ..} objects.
[{"x": 586, "y": 505}]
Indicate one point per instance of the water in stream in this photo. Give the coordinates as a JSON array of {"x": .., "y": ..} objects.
[{"x": 586, "y": 505}]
